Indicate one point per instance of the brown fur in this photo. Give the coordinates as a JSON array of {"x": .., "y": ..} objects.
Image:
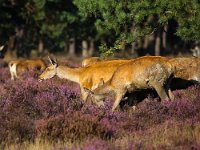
[
  {"x": 187, "y": 68},
  {"x": 186, "y": 72},
  {"x": 18, "y": 67},
  {"x": 88, "y": 77},
  {"x": 93, "y": 60},
  {"x": 90, "y": 61},
  {"x": 142, "y": 73}
]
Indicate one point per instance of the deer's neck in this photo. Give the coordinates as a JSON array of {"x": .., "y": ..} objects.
[
  {"x": 68, "y": 73},
  {"x": 106, "y": 89}
]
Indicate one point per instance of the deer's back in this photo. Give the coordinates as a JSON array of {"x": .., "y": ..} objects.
[
  {"x": 90, "y": 61},
  {"x": 143, "y": 71},
  {"x": 35, "y": 64},
  {"x": 93, "y": 74},
  {"x": 25, "y": 65}
]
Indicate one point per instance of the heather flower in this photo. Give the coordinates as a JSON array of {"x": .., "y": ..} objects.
[{"x": 53, "y": 110}]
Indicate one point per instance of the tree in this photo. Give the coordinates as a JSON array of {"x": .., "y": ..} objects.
[
  {"x": 116, "y": 24},
  {"x": 59, "y": 20},
  {"x": 130, "y": 20},
  {"x": 36, "y": 24}
]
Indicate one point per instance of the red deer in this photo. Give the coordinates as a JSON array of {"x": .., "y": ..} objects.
[
  {"x": 18, "y": 67},
  {"x": 152, "y": 72},
  {"x": 88, "y": 77}
]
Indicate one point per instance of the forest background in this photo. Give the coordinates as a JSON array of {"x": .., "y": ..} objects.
[{"x": 83, "y": 28}]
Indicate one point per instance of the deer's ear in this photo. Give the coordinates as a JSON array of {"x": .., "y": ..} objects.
[
  {"x": 50, "y": 60},
  {"x": 53, "y": 61}
]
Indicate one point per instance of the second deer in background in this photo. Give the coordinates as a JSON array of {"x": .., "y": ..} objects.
[{"x": 18, "y": 67}]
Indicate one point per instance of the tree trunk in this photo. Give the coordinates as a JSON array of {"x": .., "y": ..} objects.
[
  {"x": 133, "y": 45},
  {"x": 133, "y": 50},
  {"x": 146, "y": 42},
  {"x": 157, "y": 44},
  {"x": 91, "y": 50},
  {"x": 164, "y": 37},
  {"x": 40, "y": 46},
  {"x": 72, "y": 47},
  {"x": 10, "y": 53},
  {"x": 84, "y": 48}
]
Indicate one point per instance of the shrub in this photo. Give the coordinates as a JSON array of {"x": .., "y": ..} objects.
[{"x": 53, "y": 110}]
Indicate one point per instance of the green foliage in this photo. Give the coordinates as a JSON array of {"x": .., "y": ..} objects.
[
  {"x": 143, "y": 17},
  {"x": 105, "y": 21},
  {"x": 54, "y": 19},
  {"x": 39, "y": 4},
  {"x": 106, "y": 52}
]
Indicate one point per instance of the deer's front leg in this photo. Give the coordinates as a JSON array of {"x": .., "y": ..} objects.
[{"x": 119, "y": 94}]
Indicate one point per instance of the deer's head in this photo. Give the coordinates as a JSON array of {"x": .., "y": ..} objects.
[{"x": 50, "y": 71}]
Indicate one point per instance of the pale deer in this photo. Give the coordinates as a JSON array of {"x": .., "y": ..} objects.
[
  {"x": 88, "y": 77},
  {"x": 152, "y": 72},
  {"x": 90, "y": 61},
  {"x": 18, "y": 67}
]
